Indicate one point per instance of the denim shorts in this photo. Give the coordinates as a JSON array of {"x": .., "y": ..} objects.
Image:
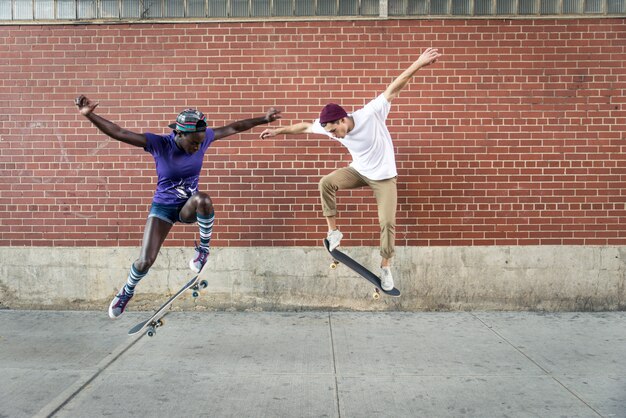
[{"x": 167, "y": 213}]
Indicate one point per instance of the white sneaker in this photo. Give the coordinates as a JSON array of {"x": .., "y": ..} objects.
[
  {"x": 334, "y": 238},
  {"x": 118, "y": 304},
  {"x": 386, "y": 279},
  {"x": 197, "y": 263}
]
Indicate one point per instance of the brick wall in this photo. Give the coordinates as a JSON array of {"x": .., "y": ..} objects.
[{"x": 516, "y": 137}]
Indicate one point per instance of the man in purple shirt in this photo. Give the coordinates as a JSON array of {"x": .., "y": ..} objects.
[{"x": 178, "y": 157}]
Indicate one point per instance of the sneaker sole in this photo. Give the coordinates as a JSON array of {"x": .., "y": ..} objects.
[{"x": 193, "y": 268}]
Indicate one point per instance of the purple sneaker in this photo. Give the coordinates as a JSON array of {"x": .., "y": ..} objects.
[
  {"x": 118, "y": 305},
  {"x": 200, "y": 259}
]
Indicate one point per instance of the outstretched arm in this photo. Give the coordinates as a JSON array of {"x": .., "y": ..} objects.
[
  {"x": 428, "y": 57},
  {"x": 298, "y": 128},
  {"x": 86, "y": 108},
  {"x": 245, "y": 124}
]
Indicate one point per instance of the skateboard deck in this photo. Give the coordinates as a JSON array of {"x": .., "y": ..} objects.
[
  {"x": 156, "y": 320},
  {"x": 339, "y": 257}
]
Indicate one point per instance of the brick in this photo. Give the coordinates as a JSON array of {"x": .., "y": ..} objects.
[{"x": 518, "y": 149}]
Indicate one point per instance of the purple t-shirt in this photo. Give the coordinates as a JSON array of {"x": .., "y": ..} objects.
[{"x": 177, "y": 171}]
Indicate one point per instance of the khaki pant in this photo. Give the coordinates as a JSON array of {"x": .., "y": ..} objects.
[{"x": 386, "y": 194}]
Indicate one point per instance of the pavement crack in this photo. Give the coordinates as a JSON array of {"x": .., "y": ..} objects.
[{"x": 544, "y": 370}]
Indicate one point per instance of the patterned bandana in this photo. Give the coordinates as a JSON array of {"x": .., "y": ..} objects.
[{"x": 190, "y": 120}]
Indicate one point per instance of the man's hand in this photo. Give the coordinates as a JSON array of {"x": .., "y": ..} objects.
[
  {"x": 85, "y": 106},
  {"x": 428, "y": 57},
  {"x": 272, "y": 115},
  {"x": 298, "y": 128},
  {"x": 268, "y": 133}
]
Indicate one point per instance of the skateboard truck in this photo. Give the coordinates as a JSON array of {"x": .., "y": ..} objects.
[
  {"x": 156, "y": 320},
  {"x": 196, "y": 289},
  {"x": 151, "y": 330}
]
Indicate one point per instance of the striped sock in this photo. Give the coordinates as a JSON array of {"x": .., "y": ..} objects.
[
  {"x": 133, "y": 278},
  {"x": 206, "y": 230}
]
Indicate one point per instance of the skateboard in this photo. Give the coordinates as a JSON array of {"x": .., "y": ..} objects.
[
  {"x": 339, "y": 257},
  {"x": 156, "y": 320}
]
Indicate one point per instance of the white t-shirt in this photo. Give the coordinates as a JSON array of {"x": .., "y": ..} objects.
[{"x": 369, "y": 142}]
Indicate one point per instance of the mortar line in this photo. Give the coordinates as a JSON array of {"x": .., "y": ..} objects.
[
  {"x": 547, "y": 373},
  {"x": 332, "y": 346}
]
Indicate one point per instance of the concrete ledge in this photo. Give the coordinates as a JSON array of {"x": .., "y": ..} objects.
[{"x": 551, "y": 278}]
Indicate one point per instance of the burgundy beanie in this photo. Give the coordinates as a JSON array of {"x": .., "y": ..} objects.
[{"x": 332, "y": 112}]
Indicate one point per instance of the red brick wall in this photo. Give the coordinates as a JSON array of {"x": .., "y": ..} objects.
[{"x": 517, "y": 136}]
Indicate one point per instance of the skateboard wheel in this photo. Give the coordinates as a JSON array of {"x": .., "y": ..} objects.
[
  {"x": 151, "y": 331},
  {"x": 376, "y": 295},
  {"x": 159, "y": 323},
  {"x": 204, "y": 284},
  {"x": 333, "y": 265},
  {"x": 195, "y": 294}
]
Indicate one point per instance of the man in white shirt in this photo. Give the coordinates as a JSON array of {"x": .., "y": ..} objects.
[{"x": 365, "y": 135}]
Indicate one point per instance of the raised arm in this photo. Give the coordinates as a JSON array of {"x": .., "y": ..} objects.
[
  {"x": 245, "y": 124},
  {"x": 428, "y": 57},
  {"x": 298, "y": 128},
  {"x": 86, "y": 108}
]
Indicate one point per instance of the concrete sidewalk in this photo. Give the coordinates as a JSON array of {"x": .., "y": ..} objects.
[{"x": 314, "y": 364}]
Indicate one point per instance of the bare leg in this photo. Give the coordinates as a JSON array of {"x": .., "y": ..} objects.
[
  {"x": 332, "y": 222},
  {"x": 200, "y": 203},
  {"x": 153, "y": 236}
]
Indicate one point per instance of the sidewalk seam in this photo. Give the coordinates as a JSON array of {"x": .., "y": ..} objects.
[
  {"x": 332, "y": 346},
  {"x": 53, "y": 407}
]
